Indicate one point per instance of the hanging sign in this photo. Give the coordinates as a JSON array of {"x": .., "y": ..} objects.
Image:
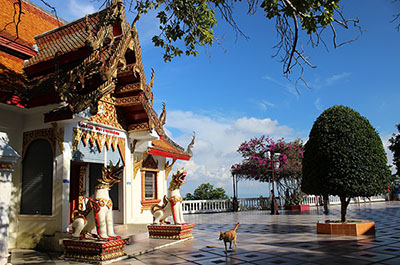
[{"x": 95, "y": 128}]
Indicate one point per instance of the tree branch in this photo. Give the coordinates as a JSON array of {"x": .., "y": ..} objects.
[
  {"x": 16, "y": 18},
  {"x": 294, "y": 45}
]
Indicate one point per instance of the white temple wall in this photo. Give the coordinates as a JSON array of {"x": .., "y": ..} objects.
[
  {"x": 26, "y": 230},
  {"x": 11, "y": 122}
]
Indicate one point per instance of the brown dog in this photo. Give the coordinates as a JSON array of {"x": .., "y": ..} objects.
[{"x": 230, "y": 237}]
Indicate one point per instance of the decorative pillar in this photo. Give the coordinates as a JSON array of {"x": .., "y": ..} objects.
[
  {"x": 63, "y": 169},
  {"x": 8, "y": 157}
]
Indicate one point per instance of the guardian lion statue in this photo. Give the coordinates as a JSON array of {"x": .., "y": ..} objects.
[
  {"x": 98, "y": 209},
  {"x": 172, "y": 205}
]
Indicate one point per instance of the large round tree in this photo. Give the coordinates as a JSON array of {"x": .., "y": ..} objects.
[{"x": 344, "y": 156}]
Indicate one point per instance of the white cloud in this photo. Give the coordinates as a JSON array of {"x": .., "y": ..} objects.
[
  {"x": 265, "y": 126},
  {"x": 320, "y": 83},
  {"x": 331, "y": 80},
  {"x": 317, "y": 104},
  {"x": 217, "y": 139},
  {"x": 265, "y": 105},
  {"x": 79, "y": 9},
  {"x": 289, "y": 87}
]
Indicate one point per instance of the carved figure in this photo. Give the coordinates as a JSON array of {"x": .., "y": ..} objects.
[
  {"x": 98, "y": 210},
  {"x": 172, "y": 205}
]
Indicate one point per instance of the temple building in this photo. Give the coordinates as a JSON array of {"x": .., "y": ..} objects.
[{"x": 72, "y": 99}]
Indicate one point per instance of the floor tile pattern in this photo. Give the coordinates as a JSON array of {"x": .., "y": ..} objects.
[{"x": 288, "y": 238}]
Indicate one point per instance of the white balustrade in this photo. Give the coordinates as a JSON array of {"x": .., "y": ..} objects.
[
  {"x": 313, "y": 200},
  {"x": 206, "y": 206},
  {"x": 261, "y": 203}
]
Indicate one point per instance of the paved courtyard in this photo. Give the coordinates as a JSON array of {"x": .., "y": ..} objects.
[{"x": 288, "y": 238}]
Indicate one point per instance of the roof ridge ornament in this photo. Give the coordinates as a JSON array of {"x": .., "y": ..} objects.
[
  {"x": 191, "y": 144},
  {"x": 163, "y": 115},
  {"x": 150, "y": 85}
]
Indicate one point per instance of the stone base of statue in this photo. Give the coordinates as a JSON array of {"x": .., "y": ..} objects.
[
  {"x": 168, "y": 231},
  {"x": 94, "y": 251}
]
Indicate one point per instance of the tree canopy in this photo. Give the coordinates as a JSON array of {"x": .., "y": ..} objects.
[
  {"x": 206, "y": 191},
  {"x": 344, "y": 156},
  {"x": 186, "y": 25},
  {"x": 191, "y": 24},
  {"x": 395, "y": 148}
]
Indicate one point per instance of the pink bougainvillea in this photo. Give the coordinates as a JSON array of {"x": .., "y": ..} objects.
[
  {"x": 257, "y": 162},
  {"x": 257, "y": 154}
]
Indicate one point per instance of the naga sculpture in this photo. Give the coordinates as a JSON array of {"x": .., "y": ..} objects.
[
  {"x": 98, "y": 210},
  {"x": 172, "y": 205}
]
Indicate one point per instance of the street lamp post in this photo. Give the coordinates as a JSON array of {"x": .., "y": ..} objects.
[
  {"x": 275, "y": 165},
  {"x": 235, "y": 193}
]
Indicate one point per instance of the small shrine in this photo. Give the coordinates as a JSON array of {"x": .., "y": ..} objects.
[{"x": 78, "y": 100}]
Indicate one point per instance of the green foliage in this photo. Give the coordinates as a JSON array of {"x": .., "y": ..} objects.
[
  {"x": 206, "y": 191},
  {"x": 395, "y": 148},
  {"x": 293, "y": 196},
  {"x": 312, "y": 13},
  {"x": 344, "y": 156},
  {"x": 190, "y": 23}
]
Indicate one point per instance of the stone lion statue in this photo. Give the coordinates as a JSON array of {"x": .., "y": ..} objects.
[
  {"x": 98, "y": 209},
  {"x": 172, "y": 205}
]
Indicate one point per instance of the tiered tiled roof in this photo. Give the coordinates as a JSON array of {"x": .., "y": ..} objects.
[
  {"x": 95, "y": 63},
  {"x": 13, "y": 50},
  {"x": 67, "y": 38},
  {"x": 34, "y": 21}
]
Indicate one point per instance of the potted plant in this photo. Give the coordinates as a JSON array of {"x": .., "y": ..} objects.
[{"x": 293, "y": 201}]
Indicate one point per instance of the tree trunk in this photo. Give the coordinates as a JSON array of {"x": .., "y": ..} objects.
[
  {"x": 344, "y": 203},
  {"x": 326, "y": 201}
]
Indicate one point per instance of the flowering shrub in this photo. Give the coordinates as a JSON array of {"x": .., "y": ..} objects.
[{"x": 257, "y": 163}]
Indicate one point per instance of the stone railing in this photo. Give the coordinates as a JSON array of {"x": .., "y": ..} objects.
[
  {"x": 207, "y": 206},
  {"x": 261, "y": 203},
  {"x": 313, "y": 200}
]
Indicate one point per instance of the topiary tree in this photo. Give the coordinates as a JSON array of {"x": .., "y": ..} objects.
[{"x": 344, "y": 156}]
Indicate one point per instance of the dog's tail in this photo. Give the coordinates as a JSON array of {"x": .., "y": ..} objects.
[{"x": 236, "y": 227}]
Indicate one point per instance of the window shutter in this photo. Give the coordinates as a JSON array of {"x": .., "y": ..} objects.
[
  {"x": 149, "y": 185},
  {"x": 37, "y": 179}
]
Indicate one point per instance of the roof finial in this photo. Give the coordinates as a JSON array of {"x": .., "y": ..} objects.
[
  {"x": 191, "y": 144},
  {"x": 163, "y": 115}
]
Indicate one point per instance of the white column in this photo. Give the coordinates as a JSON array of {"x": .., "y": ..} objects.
[
  {"x": 8, "y": 157},
  {"x": 63, "y": 170}
]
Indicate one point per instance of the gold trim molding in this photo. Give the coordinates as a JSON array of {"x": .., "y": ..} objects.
[
  {"x": 137, "y": 163},
  {"x": 59, "y": 136},
  {"x": 168, "y": 167},
  {"x": 30, "y": 136}
]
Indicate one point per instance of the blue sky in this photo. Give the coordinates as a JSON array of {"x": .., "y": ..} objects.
[{"x": 231, "y": 94}]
